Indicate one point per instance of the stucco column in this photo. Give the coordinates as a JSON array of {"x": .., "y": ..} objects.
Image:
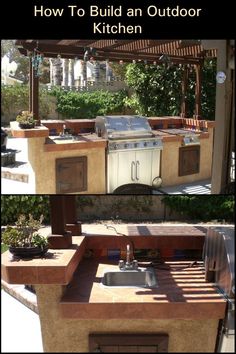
[
  {"x": 71, "y": 81},
  {"x": 57, "y": 71},
  {"x": 84, "y": 72},
  {"x": 51, "y": 72},
  {"x": 96, "y": 71},
  {"x": 65, "y": 72},
  {"x": 108, "y": 71},
  {"x": 221, "y": 151}
]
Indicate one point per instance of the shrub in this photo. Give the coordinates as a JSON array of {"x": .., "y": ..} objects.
[
  {"x": 89, "y": 104},
  {"x": 23, "y": 234},
  {"x": 13, "y": 206},
  {"x": 16, "y": 98},
  {"x": 203, "y": 208}
]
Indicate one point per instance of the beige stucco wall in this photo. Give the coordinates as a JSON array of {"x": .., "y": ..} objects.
[
  {"x": 44, "y": 166},
  {"x": 65, "y": 335},
  {"x": 170, "y": 162}
]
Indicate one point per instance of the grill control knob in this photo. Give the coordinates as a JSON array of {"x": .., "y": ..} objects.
[
  {"x": 145, "y": 143},
  {"x": 115, "y": 146},
  {"x": 135, "y": 144},
  {"x": 125, "y": 146}
]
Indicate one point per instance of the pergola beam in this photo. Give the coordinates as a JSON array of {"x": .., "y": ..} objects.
[{"x": 126, "y": 50}]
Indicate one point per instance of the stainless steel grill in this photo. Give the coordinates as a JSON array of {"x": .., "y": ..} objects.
[{"x": 133, "y": 153}]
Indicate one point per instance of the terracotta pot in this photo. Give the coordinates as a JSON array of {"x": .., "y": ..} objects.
[{"x": 28, "y": 252}]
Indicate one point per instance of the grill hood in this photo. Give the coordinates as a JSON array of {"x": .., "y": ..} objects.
[{"x": 119, "y": 127}]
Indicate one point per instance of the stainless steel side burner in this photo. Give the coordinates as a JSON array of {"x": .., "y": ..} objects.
[{"x": 189, "y": 137}]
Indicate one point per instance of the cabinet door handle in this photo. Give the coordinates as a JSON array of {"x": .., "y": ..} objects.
[
  {"x": 132, "y": 170},
  {"x": 137, "y": 170}
]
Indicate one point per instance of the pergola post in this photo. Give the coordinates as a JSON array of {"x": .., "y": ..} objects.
[
  {"x": 198, "y": 86},
  {"x": 72, "y": 224},
  {"x": 30, "y": 84},
  {"x": 60, "y": 238},
  {"x": 223, "y": 118},
  {"x": 184, "y": 87},
  {"x": 34, "y": 90}
]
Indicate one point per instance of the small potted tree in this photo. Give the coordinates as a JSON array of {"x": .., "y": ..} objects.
[
  {"x": 23, "y": 239},
  {"x": 26, "y": 120}
]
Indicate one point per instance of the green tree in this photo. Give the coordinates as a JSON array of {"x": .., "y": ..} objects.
[
  {"x": 157, "y": 89},
  {"x": 9, "y": 49}
]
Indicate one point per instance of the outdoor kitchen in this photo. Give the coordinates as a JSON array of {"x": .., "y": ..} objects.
[
  {"x": 174, "y": 150},
  {"x": 91, "y": 298},
  {"x": 118, "y": 154}
]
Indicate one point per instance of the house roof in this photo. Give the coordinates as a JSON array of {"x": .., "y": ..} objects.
[{"x": 180, "y": 51}]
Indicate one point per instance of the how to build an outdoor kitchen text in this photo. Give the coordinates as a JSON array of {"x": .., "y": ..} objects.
[{"x": 111, "y": 12}]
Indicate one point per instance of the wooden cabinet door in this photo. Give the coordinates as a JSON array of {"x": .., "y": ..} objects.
[
  {"x": 71, "y": 174},
  {"x": 128, "y": 343},
  {"x": 189, "y": 160}
]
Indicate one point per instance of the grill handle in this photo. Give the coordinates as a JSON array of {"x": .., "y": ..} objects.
[
  {"x": 132, "y": 170},
  {"x": 137, "y": 170}
]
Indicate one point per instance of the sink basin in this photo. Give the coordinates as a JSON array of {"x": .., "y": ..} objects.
[
  {"x": 64, "y": 137},
  {"x": 142, "y": 278}
]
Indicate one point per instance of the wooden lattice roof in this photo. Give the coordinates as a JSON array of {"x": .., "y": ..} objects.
[{"x": 189, "y": 51}]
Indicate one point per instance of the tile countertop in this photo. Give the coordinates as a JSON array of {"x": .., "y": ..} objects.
[
  {"x": 82, "y": 141},
  {"x": 56, "y": 267},
  {"x": 181, "y": 293}
]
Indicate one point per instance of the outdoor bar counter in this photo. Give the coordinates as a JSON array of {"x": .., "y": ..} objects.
[
  {"x": 73, "y": 304},
  {"x": 48, "y": 149}
]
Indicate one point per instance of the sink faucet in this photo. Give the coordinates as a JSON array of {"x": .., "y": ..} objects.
[
  {"x": 128, "y": 255},
  {"x": 128, "y": 265},
  {"x": 133, "y": 265}
]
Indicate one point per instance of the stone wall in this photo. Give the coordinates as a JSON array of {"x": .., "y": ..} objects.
[{"x": 125, "y": 207}]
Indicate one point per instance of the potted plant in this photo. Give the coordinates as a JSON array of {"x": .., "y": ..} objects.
[
  {"x": 23, "y": 239},
  {"x": 26, "y": 120}
]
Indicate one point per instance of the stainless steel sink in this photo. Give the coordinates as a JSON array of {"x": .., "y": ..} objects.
[
  {"x": 63, "y": 137},
  {"x": 142, "y": 278}
]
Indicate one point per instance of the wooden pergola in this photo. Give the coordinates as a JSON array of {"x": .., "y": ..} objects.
[{"x": 189, "y": 53}]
